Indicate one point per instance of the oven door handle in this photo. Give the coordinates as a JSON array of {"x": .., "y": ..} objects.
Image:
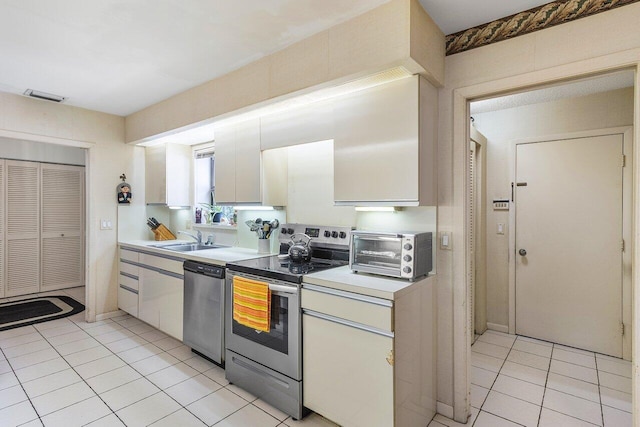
[{"x": 284, "y": 289}]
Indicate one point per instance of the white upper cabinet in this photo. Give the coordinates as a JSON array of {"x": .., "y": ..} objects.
[
  {"x": 243, "y": 175},
  {"x": 384, "y": 145},
  {"x": 167, "y": 175},
  {"x": 301, "y": 125}
]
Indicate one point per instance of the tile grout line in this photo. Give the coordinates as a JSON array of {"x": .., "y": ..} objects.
[
  {"x": 599, "y": 390},
  {"x": 23, "y": 390},
  {"x": 494, "y": 381}
]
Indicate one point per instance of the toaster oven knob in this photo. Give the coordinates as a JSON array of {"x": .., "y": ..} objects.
[
  {"x": 407, "y": 269},
  {"x": 408, "y": 246},
  {"x": 327, "y": 233},
  {"x": 343, "y": 235},
  {"x": 334, "y": 234},
  {"x": 407, "y": 258}
]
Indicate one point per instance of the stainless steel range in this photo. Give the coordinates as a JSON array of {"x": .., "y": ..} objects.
[{"x": 269, "y": 364}]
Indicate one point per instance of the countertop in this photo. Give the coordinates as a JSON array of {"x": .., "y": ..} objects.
[
  {"x": 217, "y": 256},
  {"x": 342, "y": 278}
]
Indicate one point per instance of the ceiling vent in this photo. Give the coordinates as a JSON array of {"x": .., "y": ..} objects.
[{"x": 43, "y": 95}]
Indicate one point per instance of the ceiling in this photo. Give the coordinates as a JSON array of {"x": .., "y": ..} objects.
[{"x": 120, "y": 56}]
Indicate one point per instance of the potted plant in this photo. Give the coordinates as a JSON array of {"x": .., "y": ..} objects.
[{"x": 213, "y": 212}]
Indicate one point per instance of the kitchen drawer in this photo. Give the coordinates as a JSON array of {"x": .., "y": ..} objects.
[
  {"x": 129, "y": 255},
  {"x": 370, "y": 311},
  {"x": 172, "y": 264},
  {"x": 129, "y": 268},
  {"x": 128, "y": 281},
  {"x": 128, "y": 300}
]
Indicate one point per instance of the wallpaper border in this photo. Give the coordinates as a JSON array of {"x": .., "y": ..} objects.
[{"x": 538, "y": 18}]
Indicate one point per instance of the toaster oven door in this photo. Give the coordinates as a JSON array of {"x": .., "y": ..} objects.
[{"x": 376, "y": 253}]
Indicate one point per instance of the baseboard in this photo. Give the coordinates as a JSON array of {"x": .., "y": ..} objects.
[
  {"x": 444, "y": 410},
  {"x": 498, "y": 328},
  {"x": 109, "y": 315}
]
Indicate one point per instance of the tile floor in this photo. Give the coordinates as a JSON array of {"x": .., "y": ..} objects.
[
  {"x": 117, "y": 372},
  {"x": 518, "y": 381}
]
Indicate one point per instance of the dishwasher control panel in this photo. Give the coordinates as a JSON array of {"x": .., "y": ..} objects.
[{"x": 206, "y": 269}]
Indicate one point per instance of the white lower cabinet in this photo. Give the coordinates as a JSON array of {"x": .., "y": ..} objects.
[
  {"x": 128, "y": 281},
  {"x": 348, "y": 378},
  {"x": 151, "y": 288},
  {"x": 348, "y": 370},
  {"x": 370, "y": 361},
  {"x": 160, "y": 301}
]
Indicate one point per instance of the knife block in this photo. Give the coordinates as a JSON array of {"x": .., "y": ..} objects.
[{"x": 163, "y": 233}]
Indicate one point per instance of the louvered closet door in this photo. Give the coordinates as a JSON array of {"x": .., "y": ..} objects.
[
  {"x": 62, "y": 226},
  {"x": 3, "y": 180},
  {"x": 22, "y": 231}
]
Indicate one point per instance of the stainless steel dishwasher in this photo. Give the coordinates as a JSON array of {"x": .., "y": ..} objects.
[{"x": 203, "y": 328}]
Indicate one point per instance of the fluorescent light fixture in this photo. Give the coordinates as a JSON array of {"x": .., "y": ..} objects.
[
  {"x": 378, "y": 208},
  {"x": 253, "y": 208},
  {"x": 179, "y": 207}
]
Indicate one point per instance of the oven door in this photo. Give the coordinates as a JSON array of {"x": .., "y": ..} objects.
[
  {"x": 278, "y": 349},
  {"x": 379, "y": 253}
]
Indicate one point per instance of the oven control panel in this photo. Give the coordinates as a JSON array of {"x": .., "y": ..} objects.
[{"x": 320, "y": 234}]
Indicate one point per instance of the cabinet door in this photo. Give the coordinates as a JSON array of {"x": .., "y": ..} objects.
[
  {"x": 376, "y": 145},
  {"x": 155, "y": 175},
  {"x": 149, "y": 296},
  {"x": 171, "y": 306},
  {"x": 178, "y": 179},
  {"x": 248, "y": 163},
  {"x": 23, "y": 228},
  {"x": 160, "y": 299},
  {"x": 347, "y": 377},
  {"x": 225, "y": 165},
  {"x": 62, "y": 229}
]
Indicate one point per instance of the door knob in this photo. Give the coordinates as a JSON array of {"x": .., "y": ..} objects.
[{"x": 522, "y": 252}]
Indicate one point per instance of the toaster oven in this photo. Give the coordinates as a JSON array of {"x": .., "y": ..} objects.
[{"x": 402, "y": 255}]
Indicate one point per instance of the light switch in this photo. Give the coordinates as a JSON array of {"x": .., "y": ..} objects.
[
  {"x": 445, "y": 240},
  {"x": 500, "y": 228},
  {"x": 106, "y": 224}
]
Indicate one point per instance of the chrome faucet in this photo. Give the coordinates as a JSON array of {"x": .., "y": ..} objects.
[{"x": 197, "y": 237}]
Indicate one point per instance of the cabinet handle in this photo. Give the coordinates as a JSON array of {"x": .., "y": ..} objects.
[
  {"x": 390, "y": 359},
  {"x": 348, "y": 323},
  {"x": 350, "y": 295}
]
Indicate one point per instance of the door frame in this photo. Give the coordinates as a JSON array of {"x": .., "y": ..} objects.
[
  {"x": 459, "y": 139},
  {"x": 627, "y": 215}
]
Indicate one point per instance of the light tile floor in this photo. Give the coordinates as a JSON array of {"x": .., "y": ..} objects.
[
  {"x": 116, "y": 372},
  {"x": 518, "y": 381}
]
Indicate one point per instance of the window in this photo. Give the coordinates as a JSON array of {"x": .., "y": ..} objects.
[{"x": 205, "y": 187}]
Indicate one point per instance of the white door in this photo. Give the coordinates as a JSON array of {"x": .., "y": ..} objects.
[
  {"x": 62, "y": 226},
  {"x": 569, "y": 242},
  {"x": 22, "y": 228}
]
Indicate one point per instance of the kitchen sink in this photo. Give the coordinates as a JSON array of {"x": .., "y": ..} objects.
[{"x": 188, "y": 247}]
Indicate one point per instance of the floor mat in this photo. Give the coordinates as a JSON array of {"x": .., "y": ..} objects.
[{"x": 25, "y": 312}]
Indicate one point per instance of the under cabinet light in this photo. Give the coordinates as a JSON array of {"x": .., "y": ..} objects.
[
  {"x": 254, "y": 208},
  {"x": 179, "y": 207},
  {"x": 378, "y": 208}
]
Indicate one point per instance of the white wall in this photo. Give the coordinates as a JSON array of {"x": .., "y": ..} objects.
[
  {"x": 108, "y": 156},
  {"x": 501, "y": 128},
  {"x": 596, "y": 44}
]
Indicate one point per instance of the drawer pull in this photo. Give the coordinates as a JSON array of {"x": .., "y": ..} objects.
[
  {"x": 349, "y": 295},
  {"x": 348, "y": 323}
]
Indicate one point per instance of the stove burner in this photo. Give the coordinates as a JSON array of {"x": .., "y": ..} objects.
[{"x": 298, "y": 268}]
